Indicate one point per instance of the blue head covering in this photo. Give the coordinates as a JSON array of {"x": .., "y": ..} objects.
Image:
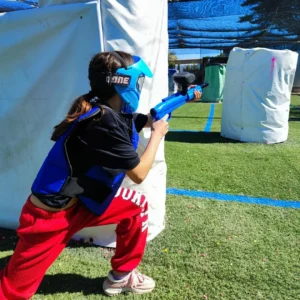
[{"x": 128, "y": 82}]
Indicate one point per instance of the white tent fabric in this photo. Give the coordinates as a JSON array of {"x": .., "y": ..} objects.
[
  {"x": 44, "y": 67},
  {"x": 257, "y": 95}
]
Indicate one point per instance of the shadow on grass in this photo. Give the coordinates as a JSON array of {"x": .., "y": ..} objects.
[
  {"x": 8, "y": 240},
  {"x": 58, "y": 283},
  {"x": 65, "y": 283},
  {"x": 294, "y": 114},
  {"x": 188, "y": 117},
  {"x": 70, "y": 283},
  {"x": 203, "y": 102},
  {"x": 4, "y": 261},
  {"x": 198, "y": 137}
]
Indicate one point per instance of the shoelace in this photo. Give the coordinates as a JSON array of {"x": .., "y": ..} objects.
[{"x": 136, "y": 278}]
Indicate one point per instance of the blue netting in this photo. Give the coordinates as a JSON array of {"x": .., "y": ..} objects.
[
  {"x": 206, "y": 9},
  {"x": 205, "y": 42},
  {"x": 214, "y": 35},
  {"x": 216, "y": 23},
  {"x": 227, "y": 23},
  {"x": 207, "y": 46},
  {"x": 8, "y": 6}
]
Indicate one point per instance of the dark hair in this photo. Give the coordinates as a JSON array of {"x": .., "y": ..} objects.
[{"x": 102, "y": 62}]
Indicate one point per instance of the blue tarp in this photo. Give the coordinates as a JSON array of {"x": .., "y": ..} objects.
[
  {"x": 216, "y": 23},
  {"x": 206, "y": 8},
  {"x": 7, "y": 6}
]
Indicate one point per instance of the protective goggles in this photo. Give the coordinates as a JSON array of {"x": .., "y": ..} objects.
[{"x": 132, "y": 76}]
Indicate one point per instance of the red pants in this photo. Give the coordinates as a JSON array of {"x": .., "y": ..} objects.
[{"x": 43, "y": 235}]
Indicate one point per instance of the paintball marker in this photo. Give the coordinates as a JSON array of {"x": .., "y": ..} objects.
[{"x": 169, "y": 104}]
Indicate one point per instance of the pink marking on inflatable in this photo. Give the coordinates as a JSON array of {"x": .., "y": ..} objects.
[{"x": 273, "y": 65}]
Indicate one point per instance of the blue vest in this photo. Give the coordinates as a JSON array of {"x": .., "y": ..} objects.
[{"x": 55, "y": 175}]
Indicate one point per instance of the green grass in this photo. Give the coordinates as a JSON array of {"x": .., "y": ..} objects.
[
  {"x": 210, "y": 249},
  {"x": 205, "y": 161}
]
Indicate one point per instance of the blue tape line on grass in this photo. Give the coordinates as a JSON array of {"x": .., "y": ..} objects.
[
  {"x": 237, "y": 198},
  {"x": 210, "y": 118}
]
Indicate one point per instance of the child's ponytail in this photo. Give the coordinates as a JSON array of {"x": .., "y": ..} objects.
[{"x": 79, "y": 107}]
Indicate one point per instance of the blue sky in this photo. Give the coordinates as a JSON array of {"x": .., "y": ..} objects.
[{"x": 185, "y": 53}]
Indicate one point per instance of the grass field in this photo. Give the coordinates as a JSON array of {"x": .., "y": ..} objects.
[{"x": 209, "y": 249}]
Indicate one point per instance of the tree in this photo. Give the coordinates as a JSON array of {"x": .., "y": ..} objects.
[
  {"x": 274, "y": 14},
  {"x": 222, "y": 55},
  {"x": 171, "y": 59}
]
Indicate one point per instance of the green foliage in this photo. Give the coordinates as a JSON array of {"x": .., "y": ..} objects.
[
  {"x": 222, "y": 55},
  {"x": 192, "y": 68},
  {"x": 172, "y": 57}
]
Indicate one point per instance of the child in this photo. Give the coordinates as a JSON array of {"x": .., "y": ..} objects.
[{"x": 79, "y": 182}]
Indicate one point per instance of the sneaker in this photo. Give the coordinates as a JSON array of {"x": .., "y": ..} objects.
[{"x": 133, "y": 282}]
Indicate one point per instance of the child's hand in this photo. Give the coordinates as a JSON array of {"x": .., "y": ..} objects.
[
  {"x": 197, "y": 94},
  {"x": 161, "y": 127}
]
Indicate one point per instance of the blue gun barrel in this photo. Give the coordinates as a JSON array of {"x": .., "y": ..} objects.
[{"x": 169, "y": 104}]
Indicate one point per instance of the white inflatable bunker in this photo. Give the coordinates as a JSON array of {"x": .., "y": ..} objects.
[
  {"x": 257, "y": 95},
  {"x": 44, "y": 67}
]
